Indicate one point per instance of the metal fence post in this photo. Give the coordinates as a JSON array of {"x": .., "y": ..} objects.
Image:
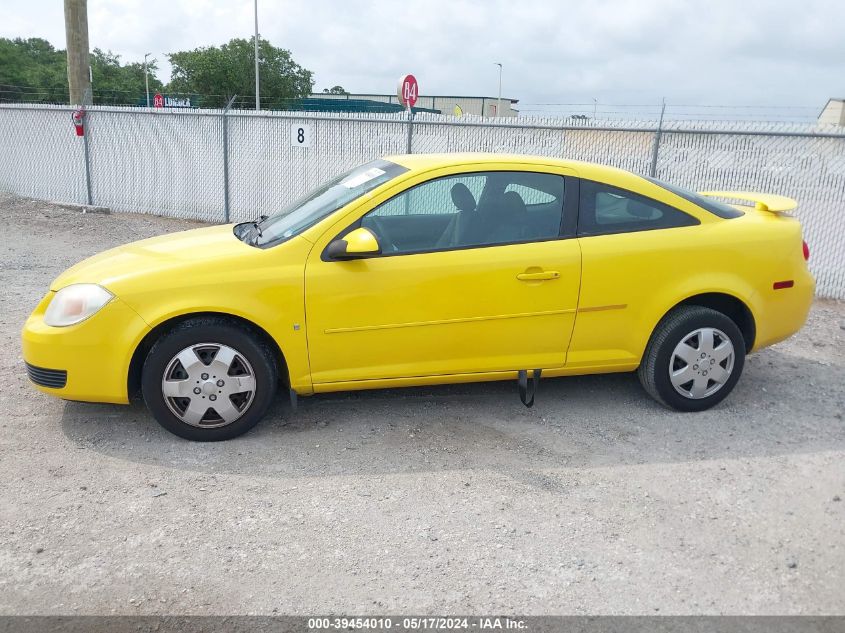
[
  {"x": 87, "y": 159},
  {"x": 657, "y": 134},
  {"x": 410, "y": 130},
  {"x": 226, "y": 160}
]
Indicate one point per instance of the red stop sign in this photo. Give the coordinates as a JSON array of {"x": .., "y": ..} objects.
[
  {"x": 408, "y": 90},
  {"x": 158, "y": 101}
]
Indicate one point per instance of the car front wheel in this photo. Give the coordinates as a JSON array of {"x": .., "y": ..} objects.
[
  {"x": 208, "y": 380},
  {"x": 693, "y": 360}
]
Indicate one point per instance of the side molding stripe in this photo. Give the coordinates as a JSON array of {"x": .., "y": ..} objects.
[
  {"x": 618, "y": 306},
  {"x": 390, "y": 326}
]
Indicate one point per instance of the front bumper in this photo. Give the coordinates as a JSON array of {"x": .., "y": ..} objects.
[
  {"x": 94, "y": 354},
  {"x": 43, "y": 377}
]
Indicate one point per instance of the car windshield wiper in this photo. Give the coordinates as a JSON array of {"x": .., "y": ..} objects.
[{"x": 256, "y": 225}]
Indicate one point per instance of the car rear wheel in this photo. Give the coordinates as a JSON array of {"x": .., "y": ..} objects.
[
  {"x": 208, "y": 380},
  {"x": 693, "y": 360}
]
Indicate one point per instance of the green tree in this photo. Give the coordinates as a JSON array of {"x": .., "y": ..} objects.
[
  {"x": 335, "y": 90},
  {"x": 32, "y": 70},
  {"x": 115, "y": 84},
  {"x": 218, "y": 73}
]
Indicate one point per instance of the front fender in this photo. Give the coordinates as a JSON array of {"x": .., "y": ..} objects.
[{"x": 270, "y": 295}]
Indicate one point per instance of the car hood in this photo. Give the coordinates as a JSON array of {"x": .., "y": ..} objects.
[{"x": 167, "y": 253}]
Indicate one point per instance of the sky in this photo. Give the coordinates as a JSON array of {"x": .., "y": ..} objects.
[{"x": 765, "y": 54}]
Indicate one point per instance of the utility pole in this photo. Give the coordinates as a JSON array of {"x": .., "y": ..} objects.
[
  {"x": 499, "y": 100},
  {"x": 147, "y": 77},
  {"x": 257, "y": 95},
  {"x": 78, "y": 62}
]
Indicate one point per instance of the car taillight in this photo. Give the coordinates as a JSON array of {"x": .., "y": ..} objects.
[{"x": 806, "y": 251}]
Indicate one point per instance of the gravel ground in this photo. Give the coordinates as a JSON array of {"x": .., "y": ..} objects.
[{"x": 435, "y": 500}]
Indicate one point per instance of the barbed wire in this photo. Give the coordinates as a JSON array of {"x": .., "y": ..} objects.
[
  {"x": 669, "y": 111},
  {"x": 674, "y": 105},
  {"x": 528, "y": 109}
]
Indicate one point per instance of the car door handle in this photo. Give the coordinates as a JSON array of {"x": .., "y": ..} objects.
[{"x": 540, "y": 276}]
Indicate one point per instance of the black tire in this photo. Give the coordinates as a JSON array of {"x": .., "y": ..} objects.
[
  {"x": 678, "y": 324},
  {"x": 217, "y": 331}
]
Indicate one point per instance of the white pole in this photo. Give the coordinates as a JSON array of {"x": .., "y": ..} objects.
[
  {"x": 257, "y": 96},
  {"x": 499, "y": 100},
  {"x": 147, "y": 78}
]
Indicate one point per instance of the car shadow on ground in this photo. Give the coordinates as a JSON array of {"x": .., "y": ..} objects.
[{"x": 587, "y": 421}]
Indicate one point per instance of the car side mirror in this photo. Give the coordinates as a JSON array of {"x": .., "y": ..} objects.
[{"x": 356, "y": 244}]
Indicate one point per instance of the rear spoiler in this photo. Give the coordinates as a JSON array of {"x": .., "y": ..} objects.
[{"x": 762, "y": 201}]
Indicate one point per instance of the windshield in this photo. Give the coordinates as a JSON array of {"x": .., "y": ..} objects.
[
  {"x": 715, "y": 207},
  {"x": 321, "y": 202}
]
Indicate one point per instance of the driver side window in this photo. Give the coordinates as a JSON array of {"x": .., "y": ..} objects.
[
  {"x": 430, "y": 198},
  {"x": 476, "y": 209}
]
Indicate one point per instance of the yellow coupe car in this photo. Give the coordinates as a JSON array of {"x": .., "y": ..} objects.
[{"x": 430, "y": 269}]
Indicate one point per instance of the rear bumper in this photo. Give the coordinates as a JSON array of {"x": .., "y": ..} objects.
[
  {"x": 784, "y": 311},
  {"x": 88, "y": 361}
]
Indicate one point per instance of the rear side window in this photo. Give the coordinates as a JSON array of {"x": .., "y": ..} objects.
[
  {"x": 605, "y": 209},
  {"x": 715, "y": 207}
]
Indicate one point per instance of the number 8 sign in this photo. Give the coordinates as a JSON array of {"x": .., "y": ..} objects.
[
  {"x": 408, "y": 90},
  {"x": 300, "y": 135}
]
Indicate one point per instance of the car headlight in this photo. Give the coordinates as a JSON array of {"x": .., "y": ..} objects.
[{"x": 76, "y": 303}]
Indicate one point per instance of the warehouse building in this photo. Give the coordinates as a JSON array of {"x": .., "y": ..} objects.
[
  {"x": 833, "y": 113},
  {"x": 445, "y": 104}
]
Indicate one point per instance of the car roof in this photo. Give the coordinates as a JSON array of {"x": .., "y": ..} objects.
[{"x": 424, "y": 162}]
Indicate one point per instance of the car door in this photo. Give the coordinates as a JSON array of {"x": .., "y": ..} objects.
[
  {"x": 479, "y": 272},
  {"x": 635, "y": 249}
]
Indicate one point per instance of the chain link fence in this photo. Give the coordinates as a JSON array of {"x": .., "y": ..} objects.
[{"x": 218, "y": 166}]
